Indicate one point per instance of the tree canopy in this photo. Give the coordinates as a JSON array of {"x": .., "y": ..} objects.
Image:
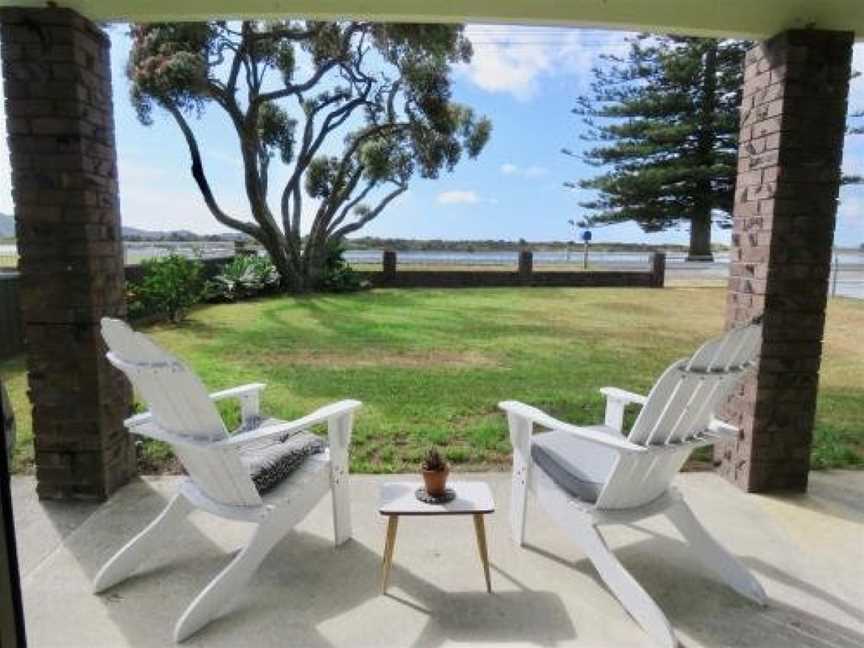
[
  {"x": 664, "y": 119},
  {"x": 289, "y": 87}
]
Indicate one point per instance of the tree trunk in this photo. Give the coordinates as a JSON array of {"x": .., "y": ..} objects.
[
  {"x": 700, "y": 224},
  {"x": 700, "y": 237},
  {"x": 314, "y": 260}
]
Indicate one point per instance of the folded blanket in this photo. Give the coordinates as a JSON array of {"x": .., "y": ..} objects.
[{"x": 272, "y": 462}]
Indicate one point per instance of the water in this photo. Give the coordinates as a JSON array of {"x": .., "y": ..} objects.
[
  {"x": 136, "y": 252},
  {"x": 850, "y": 280}
]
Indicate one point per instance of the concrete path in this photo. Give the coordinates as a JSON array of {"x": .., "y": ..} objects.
[{"x": 808, "y": 551}]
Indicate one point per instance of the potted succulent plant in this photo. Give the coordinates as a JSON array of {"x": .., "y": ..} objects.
[{"x": 435, "y": 471}]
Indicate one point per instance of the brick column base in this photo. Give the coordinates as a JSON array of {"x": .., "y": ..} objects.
[
  {"x": 793, "y": 118},
  {"x": 59, "y": 121}
]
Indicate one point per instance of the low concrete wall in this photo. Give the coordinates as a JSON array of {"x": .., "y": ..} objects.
[
  {"x": 392, "y": 277},
  {"x": 211, "y": 268},
  {"x": 501, "y": 279},
  {"x": 11, "y": 331}
]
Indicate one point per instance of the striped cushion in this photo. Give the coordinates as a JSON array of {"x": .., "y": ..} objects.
[{"x": 272, "y": 462}]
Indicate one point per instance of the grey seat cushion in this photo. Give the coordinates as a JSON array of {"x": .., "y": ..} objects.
[
  {"x": 272, "y": 462},
  {"x": 578, "y": 467}
]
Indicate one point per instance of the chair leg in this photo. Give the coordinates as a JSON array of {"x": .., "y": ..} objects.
[
  {"x": 518, "y": 499},
  {"x": 341, "y": 505},
  {"x": 222, "y": 590},
  {"x": 214, "y": 598},
  {"x": 628, "y": 591},
  {"x": 728, "y": 568},
  {"x": 129, "y": 558}
]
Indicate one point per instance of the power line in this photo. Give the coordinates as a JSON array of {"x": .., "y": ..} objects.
[{"x": 590, "y": 46}]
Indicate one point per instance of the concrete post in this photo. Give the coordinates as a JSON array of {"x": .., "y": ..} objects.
[
  {"x": 526, "y": 265},
  {"x": 793, "y": 118},
  {"x": 658, "y": 269},
  {"x": 60, "y": 127},
  {"x": 389, "y": 265}
]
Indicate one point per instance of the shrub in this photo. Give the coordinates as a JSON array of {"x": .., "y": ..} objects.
[
  {"x": 170, "y": 286},
  {"x": 242, "y": 277},
  {"x": 338, "y": 275}
]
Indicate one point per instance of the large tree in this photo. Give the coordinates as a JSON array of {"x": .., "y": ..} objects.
[
  {"x": 380, "y": 92},
  {"x": 665, "y": 122}
]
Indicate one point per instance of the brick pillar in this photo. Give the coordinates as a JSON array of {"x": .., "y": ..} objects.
[
  {"x": 59, "y": 121},
  {"x": 793, "y": 118}
]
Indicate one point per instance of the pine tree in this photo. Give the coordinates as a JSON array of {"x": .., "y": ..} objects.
[{"x": 665, "y": 119}]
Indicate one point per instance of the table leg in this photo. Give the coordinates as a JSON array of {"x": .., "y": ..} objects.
[
  {"x": 480, "y": 528},
  {"x": 389, "y": 545}
]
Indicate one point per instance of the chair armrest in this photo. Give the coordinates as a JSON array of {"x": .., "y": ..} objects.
[
  {"x": 539, "y": 417},
  {"x": 327, "y": 414},
  {"x": 627, "y": 397},
  {"x": 250, "y": 401},
  {"x": 143, "y": 425},
  {"x": 250, "y": 405},
  {"x": 137, "y": 420},
  {"x": 238, "y": 392},
  {"x": 616, "y": 401},
  {"x": 723, "y": 430}
]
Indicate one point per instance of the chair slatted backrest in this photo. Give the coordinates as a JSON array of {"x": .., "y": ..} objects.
[
  {"x": 676, "y": 413},
  {"x": 182, "y": 408},
  {"x": 681, "y": 404}
]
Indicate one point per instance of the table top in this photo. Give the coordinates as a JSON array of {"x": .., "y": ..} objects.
[{"x": 397, "y": 498}]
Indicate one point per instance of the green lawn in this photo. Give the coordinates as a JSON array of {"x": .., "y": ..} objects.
[{"x": 430, "y": 365}]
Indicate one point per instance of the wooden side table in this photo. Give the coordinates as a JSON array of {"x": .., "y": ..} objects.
[{"x": 472, "y": 498}]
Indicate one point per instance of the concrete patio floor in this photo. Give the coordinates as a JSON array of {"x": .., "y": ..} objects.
[{"x": 808, "y": 552}]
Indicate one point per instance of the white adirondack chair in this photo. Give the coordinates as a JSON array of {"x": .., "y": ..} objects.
[
  {"x": 182, "y": 414},
  {"x": 585, "y": 477}
]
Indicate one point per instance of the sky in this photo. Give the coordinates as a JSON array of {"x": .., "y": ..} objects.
[{"x": 526, "y": 79}]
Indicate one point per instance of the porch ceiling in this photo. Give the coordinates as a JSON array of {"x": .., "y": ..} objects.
[{"x": 744, "y": 18}]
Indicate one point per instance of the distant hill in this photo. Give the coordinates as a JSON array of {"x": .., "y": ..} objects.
[
  {"x": 136, "y": 234},
  {"x": 7, "y": 226},
  {"x": 452, "y": 245},
  {"x": 7, "y": 230}
]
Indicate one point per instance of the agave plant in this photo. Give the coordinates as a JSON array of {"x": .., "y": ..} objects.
[
  {"x": 433, "y": 461},
  {"x": 242, "y": 277}
]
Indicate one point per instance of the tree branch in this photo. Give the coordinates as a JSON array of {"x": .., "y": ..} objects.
[
  {"x": 315, "y": 78},
  {"x": 239, "y": 53},
  {"x": 358, "y": 141},
  {"x": 353, "y": 227},
  {"x": 309, "y": 147},
  {"x": 201, "y": 179},
  {"x": 348, "y": 207}
]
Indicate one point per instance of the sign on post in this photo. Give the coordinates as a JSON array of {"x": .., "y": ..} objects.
[{"x": 586, "y": 237}]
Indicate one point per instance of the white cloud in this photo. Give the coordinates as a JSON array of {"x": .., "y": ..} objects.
[
  {"x": 535, "y": 171},
  {"x": 513, "y": 59},
  {"x": 532, "y": 171},
  {"x": 458, "y": 197}
]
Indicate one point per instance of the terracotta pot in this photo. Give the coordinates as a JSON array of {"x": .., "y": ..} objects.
[{"x": 435, "y": 481}]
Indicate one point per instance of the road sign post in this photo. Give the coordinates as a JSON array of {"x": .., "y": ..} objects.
[{"x": 586, "y": 238}]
